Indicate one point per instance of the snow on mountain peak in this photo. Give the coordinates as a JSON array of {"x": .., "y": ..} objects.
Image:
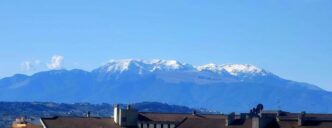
[
  {"x": 233, "y": 69},
  {"x": 210, "y": 67},
  {"x": 169, "y": 65},
  {"x": 145, "y": 66},
  {"x": 121, "y": 65}
]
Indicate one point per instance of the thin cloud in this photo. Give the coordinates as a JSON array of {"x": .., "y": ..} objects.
[
  {"x": 30, "y": 65},
  {"x": 56, "y": 62}
]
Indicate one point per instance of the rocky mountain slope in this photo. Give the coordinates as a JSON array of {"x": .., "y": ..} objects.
[{"x": 225, "y": 88}]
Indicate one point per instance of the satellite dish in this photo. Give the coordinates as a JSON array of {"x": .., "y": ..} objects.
[{"x": 260, "y": 107}]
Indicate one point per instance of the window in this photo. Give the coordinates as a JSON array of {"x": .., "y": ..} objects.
[
  {"x": 158, "y": 125},
  {"x": 140, "y": 125},
  {"x": 165, "y": 125},
  {"x": 145, "y": 125},
  {"x": 151, "y": 126}
]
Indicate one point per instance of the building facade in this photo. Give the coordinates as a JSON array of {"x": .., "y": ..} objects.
[{"x": 256, "y": 118}]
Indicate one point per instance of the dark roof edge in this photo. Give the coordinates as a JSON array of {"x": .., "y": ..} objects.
[
  {"x": 176, "y": 113},
  {"x": 55, "y": 117}
]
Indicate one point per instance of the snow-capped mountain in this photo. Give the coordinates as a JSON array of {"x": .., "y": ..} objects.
[
  {"x": 233, "y": 69},
  {"x": 144, "y": 66},
  {"x": 175, "y": 71},
  {"x": 230, "y": 87},
  {"x": 118, "y": 66}
]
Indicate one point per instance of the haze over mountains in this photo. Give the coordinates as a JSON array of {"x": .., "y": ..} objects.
[{"x": 225, "y": 88}]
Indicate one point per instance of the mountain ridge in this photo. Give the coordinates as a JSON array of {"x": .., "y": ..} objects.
[
  {"x": 127, "y": 81},
  {"x": 168, "y": 65}
]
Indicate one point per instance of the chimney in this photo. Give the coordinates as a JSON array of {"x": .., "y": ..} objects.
[
  {"x": 256, "y": 122},
  {"x": 116, "y": 113},
  {"x": 230, "y": 118},
  {"x": 301, "y": 119},
  {"x": 88, "y": 114}
]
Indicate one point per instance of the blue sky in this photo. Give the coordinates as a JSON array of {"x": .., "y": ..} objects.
[{"x": 291, "y": 38}]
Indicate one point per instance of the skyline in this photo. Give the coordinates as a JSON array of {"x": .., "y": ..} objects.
[{"x": 288, "y": 38}]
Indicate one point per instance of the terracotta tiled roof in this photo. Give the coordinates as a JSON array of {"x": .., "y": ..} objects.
[
  {"x": 79, "y": 122},
  {"x": 185, "y": 120},
  {"x": 214, "y": 123},
  {"x": 173, "y": 117},
  {"x": 28, "y": 126}
]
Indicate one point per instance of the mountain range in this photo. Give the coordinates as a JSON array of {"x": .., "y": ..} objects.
[{"x": 224, "y": 88}]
